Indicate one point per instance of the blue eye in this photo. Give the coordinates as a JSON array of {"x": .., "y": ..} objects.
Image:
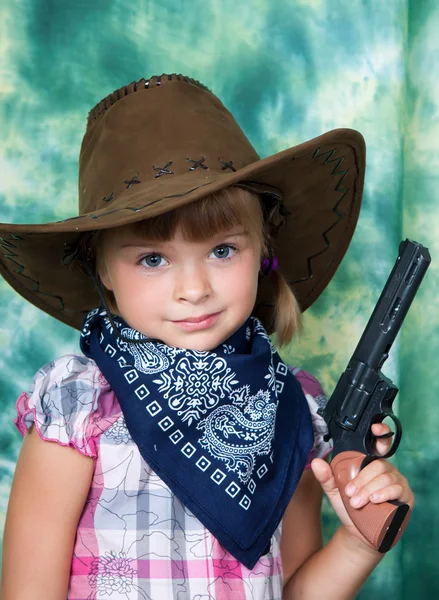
[
  {"x": 152, "y": 260},
  {"x": 224, "y": 251}
]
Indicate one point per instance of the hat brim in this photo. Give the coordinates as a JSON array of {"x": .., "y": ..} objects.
[{"x": 321, "y": 181}]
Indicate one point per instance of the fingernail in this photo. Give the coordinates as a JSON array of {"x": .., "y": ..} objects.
[
  {"x": 355, "y": 500},
  {"x": 351, "y": 489}
]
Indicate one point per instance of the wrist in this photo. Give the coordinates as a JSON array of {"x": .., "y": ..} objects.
[{"x": 358, "y": 546}]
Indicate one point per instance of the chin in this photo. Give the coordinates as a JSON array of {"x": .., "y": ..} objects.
[{"x": 201, "y": 343}]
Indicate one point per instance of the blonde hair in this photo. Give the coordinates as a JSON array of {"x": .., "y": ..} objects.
[{"x": 201, "y": 220}]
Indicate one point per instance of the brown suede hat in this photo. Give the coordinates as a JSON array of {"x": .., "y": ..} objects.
[{"x": 163, "y": 142}]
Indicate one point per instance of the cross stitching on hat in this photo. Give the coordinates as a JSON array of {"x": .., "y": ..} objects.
[
  {"x": 227, "y": 164},
  {"x": 110, "y": 196},
  {"x": 132, "y": 181},
  {"x": 197, "y": 163},
  {"x": 163, "y": 170}
]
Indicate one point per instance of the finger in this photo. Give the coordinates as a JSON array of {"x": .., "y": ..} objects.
[
  {"x": 396, "y": 491},
  {"x": 377, "y": 486},
  {"x": 370, "y": 472},
  {"x": 323, "y": 473},
  {"x": 382, "y": 444},
  {"x": 379, "y": 429}
]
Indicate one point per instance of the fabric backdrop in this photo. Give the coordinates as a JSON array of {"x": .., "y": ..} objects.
[{"x": 288, "y": 70}]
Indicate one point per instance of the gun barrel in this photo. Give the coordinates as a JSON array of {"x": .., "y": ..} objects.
[{"x": 395, "y": 300}]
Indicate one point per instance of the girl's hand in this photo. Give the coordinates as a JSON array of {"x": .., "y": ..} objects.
[{"x": 378, "y": 482}]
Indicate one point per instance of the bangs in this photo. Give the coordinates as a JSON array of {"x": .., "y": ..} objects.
[
  {"x": 229, "y": 209},
  {"x": 199, "y": 221}
]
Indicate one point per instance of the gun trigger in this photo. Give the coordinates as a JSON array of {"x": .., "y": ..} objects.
[{"x": 384, "y": 435}]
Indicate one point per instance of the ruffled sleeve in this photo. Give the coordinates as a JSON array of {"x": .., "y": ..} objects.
[
  {"x": 70, "y": 403},
  {"x": 316, "y": 399}
]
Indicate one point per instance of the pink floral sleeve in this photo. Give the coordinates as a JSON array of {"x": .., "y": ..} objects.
[
  {"x": 316, "y": 398},
  {"x": 70, "y": 403}
]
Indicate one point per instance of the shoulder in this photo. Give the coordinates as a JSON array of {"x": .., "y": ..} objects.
[
  {"x": 310, "y": 385},
  {"x": 316, "y": 399},
  {"x": 69, "y": 402},
  {"x": 68, "y": 368}
]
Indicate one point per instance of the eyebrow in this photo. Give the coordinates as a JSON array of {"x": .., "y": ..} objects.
[{"x": 146, "y": 242}]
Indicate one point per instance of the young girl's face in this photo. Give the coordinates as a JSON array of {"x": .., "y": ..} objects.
[{"x": 191, "y": 295}]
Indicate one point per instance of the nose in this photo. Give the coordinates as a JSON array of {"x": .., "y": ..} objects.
[{"x": 193, "y": 284}]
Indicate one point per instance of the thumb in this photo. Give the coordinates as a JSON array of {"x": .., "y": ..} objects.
[{"x": 323, "y": 473}]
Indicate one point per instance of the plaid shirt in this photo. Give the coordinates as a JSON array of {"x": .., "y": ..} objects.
[{"x": 135, "y": 539}]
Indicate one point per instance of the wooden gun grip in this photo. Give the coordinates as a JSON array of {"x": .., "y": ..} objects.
[{"x": 381, "y": 524}]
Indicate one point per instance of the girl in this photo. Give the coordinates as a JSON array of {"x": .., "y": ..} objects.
[{"x": 181, "y": 443}]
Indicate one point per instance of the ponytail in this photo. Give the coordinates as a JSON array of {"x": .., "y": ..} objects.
[{"x": 287, "y": 319}]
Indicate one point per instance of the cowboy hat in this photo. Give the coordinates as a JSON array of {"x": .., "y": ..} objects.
[{"x": 160, "y": 143}]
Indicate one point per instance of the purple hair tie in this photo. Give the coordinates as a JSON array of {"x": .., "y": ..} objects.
[{"x": 269, "y": 264}]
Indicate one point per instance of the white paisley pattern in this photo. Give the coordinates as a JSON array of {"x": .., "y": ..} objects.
[
  {"x": 147, "y": 358},
  {"x": 235, "y": 439},
  {"x": 194, "y": 387}
]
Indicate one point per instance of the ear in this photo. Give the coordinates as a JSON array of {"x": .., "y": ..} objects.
[{"x": 104, "y": 276}]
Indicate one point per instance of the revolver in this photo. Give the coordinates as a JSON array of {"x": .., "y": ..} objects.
[{"x": 363, "y": 396}]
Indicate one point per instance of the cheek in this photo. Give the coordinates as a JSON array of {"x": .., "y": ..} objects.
[
  {"x": 134, "y": 286},
  {"x": 119, "y": 280},
  {"x": 242, "y": 283}
]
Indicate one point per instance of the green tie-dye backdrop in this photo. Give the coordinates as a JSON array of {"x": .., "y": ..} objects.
[{"x": 289, "y": 70}]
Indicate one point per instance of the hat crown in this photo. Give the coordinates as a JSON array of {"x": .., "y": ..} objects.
[{"x": 154, "y": 130}]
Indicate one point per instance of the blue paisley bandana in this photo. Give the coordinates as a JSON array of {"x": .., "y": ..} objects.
[{"x": 229, "y": 431}]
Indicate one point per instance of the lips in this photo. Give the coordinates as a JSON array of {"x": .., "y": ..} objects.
[
  {"x": 196, "y": 319},
  {"x": 198, "y": 323}
]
